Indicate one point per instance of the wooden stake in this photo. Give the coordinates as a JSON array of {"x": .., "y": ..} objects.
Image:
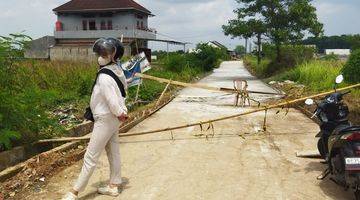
[
  {"x": 162, "y": 94},
  {"x": 137, "y": 93}
]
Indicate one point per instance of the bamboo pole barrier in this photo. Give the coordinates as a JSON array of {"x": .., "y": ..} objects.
[
  {"x": 201, "y": 86},
  {"x": 162, "y": 95},
  {"x": 209, "y": 121}
]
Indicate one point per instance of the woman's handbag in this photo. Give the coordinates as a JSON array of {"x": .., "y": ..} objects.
[{"x": 88, "y": 113}]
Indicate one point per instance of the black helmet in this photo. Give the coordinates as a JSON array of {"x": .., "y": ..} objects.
[
  {"x": 119, "y": 48},
  {"x": 109, "y": 46}
]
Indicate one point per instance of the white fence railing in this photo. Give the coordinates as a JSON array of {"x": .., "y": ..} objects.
[{"x": 130, "y": 33}]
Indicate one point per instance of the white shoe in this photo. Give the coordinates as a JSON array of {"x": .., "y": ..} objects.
[
  {"x": 69, "y": 196},
  {"x": 107, "y": 190}
]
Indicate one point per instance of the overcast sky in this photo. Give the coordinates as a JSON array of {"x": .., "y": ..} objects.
[{"x": 185, "y": 20}]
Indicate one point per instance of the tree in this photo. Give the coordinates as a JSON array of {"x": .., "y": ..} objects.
[
  {"x": 245, "y": 29},
  {"x": 240, "y": 50},
  {"x": 282, "y": 21}
]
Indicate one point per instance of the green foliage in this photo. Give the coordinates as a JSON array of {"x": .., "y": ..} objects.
[
  {"x": 292, "y": 55},
  {"x": 6, "y": 136},
  {"x": 351, "y": 69},
  {"x": 29, "y": 89},
  {"x": 260, "y": 70},
  {"x": 330, "y": 57},
  {"x": 175, "y": 62},
  {"x": 12, "y": 46},
  {"x": 206, "y": 58},
  {"x": 282, "y": 21},
  {"x": 316, "y": 74},
  {"x": 240, "y": 50}
]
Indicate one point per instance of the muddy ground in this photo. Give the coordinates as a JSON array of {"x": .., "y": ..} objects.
[{"x": 254, "y": 165}]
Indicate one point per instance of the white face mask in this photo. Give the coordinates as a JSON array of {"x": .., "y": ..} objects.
[{"x": 103, "y": 61}]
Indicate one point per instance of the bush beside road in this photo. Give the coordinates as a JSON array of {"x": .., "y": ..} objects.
[
  {"x": 317, "y": 75},
  {"x": 40, "y": 98}
]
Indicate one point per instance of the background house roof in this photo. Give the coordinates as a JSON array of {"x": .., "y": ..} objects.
[
  {"x": 216, "y": 43},
  {"x": 96, "y": 5}
]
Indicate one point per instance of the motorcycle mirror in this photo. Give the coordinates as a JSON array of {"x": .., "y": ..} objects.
[
  {"x": 309, "y": 102},
  {"x": 339, "y": 79}
]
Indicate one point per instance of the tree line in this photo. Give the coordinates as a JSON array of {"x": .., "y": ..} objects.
[{"x": 334, "y": 42}]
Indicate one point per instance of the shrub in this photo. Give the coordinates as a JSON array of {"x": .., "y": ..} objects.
[
  {"x": 317, "y": 75},
  {"x": 207, "y": 56},
  {"x": 258, "y": 70},
  {"x": 175, "y": 62},
  {"x": 29, "y": 89},
  {"x": 351, "y": 70},
  {"x": 330, "y": 57},
  {"x": 291, "y": 55}
]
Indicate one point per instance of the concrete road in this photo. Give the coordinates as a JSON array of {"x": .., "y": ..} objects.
[{"x": 259, "y": 166}]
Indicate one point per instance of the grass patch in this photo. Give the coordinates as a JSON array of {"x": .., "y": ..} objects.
[
  {"x": 317, "y": 75},
  {"x": 257, "y": 70}
]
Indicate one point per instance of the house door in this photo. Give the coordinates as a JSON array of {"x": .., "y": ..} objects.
[{"x": 92, "y": 25}]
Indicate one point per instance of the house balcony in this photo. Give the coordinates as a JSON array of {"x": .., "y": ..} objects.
[{"x": 94, "y": 34}]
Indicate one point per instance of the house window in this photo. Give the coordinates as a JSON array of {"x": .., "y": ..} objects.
[
  {"x": 109, "y": 25},
  {"x": 84, "y": 24},
  {"x": 142, "y": 25},
  {"x": 137, "y": 24},
  {"x": 92, "y": 25},
  {"x": 103, "y": 25}
]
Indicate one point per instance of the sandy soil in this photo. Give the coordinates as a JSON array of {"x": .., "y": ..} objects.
[{"x": 259, "y": 166}]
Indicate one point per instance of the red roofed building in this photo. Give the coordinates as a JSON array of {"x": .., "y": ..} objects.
[{"x": 81, "y": 22}]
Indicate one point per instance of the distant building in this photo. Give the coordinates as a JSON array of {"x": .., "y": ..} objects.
[
  {"x": 339, "y": 52},
  {"x": 40, "y": 48},
  {"x": 81, "y": 22},
  {"x": 216, "y": 44}
]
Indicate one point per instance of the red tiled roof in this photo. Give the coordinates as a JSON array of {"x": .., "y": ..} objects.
[{"x": 94, "y": 5}]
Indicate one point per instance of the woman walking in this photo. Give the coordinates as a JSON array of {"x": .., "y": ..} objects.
[{"x": 109, "y": 111}]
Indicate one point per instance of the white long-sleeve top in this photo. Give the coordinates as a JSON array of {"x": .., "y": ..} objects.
[{"x": 106, "y": 97}]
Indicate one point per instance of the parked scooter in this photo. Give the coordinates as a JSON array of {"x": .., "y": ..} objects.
[{"x": 339, "y": 141}]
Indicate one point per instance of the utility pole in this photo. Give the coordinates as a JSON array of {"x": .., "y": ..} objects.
[
  {"x": 259, "y": 47},
  {"x": 246, "y": 45}
]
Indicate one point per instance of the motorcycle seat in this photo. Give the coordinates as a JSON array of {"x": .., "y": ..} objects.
[{"x": 340, "y": 129}]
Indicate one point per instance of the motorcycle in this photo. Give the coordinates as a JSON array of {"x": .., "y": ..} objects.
[{"x": 339, "y": 140}]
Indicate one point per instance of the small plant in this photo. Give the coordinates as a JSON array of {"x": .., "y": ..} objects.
[{"x": 351, "y": 70}]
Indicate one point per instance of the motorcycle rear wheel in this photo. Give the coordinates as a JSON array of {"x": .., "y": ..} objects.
[{"x": 357, "y": 194}]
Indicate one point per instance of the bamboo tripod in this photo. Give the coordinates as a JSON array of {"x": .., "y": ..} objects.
[{"x": 266, "y": 108}]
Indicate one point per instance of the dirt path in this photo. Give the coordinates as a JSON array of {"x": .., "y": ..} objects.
[{"x": 224, "y": 167}]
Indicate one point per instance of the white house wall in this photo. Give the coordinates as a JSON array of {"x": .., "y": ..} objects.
[{"x": 123, "y": 20}]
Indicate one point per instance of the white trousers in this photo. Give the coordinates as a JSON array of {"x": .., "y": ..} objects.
[{"x": 104, "y": 136}]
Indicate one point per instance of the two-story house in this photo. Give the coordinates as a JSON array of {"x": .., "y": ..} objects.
[{"x": 81, "y": 22}]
